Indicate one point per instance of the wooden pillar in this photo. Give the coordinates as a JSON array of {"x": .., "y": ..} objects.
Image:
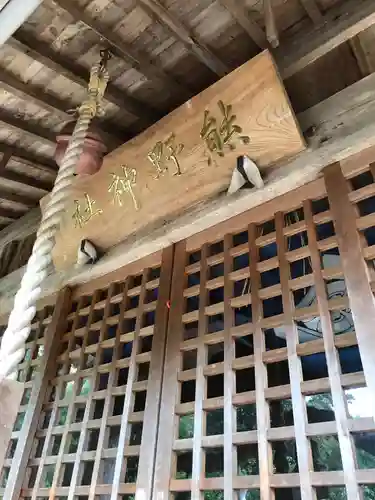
[
  {"x": 11, "y": 393},
  {"x": 25, "y": 441},
  {"x": 356, "y": 272}
]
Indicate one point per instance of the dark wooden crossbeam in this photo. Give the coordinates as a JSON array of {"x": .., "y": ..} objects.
[
  {"x": 17, "y": 198},
  {"x": 8, "y": 214},
  {"x": 34, "y": 130},
  {"x": 180, "y": 32},
  {"x": 243, "y": 18},
  {"x": 28, "y": 158},
  {"x": 137, "y": 59},
  {"x": 42, "y": 52},
  {"x": 26, "y": 180},
  {"x": 313, "y": 11}
]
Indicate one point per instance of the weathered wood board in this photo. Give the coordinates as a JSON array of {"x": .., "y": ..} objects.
[{"x": 259, "y": 110}]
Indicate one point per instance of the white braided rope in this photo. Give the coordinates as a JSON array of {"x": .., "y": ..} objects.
[{"x": 12, "y": 348}]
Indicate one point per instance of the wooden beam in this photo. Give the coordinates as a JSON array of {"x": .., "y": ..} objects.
[
  {"x": 8, "y": 214},
  {"x": 340, "y": 24},
  {"x": 7, "y": 155},
  {"x": 242, "y": 16},
  {"x": 270, "y": 23},
  {"x": 34, "y": 130},
  {"x": 28, "y": 158},
  {"x": 11, "y": 393},
  {"x": 180, "y": 32},
  {"x": 137, "y": 59},
  {"x": 16, "y": 198},
  {"x": 345, "y": 128},
  {"x": 21, "y": 229},
  {"x": 312, "y": 10},
  {"x": 42, "y": 52},
  {"x": 356, "y": 272},
  {"x": 43, "y": 376},
  {"x": 25, "y": 179}
]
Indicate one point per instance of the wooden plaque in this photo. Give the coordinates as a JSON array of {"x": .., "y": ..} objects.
[{"x": 246, "y": 112}]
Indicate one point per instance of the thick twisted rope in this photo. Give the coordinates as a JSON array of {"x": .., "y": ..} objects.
[{"x": 12, "y": 348}]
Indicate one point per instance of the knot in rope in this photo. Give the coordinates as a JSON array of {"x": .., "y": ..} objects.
[{"x": 99, "y": 77}]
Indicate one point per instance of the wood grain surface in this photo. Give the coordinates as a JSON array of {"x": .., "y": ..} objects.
[{"x": 263, "y": 112}]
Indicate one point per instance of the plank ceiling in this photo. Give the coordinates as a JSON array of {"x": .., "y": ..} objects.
[{"x": 164, "y": 52}]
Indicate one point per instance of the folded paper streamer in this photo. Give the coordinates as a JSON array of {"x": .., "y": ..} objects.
[{"x": 246, "y": 173}]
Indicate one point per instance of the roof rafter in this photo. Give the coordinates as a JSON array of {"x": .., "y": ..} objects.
[
  {"x": 8, "y": 214},
  {"x": 28, "y": 158},
  {"x": 137, "y": 59},
  {"x": 26, "y": 180},
  {"x": 52, "y": 104},
  {"x": 242, "y": 16},
  {"x": 190, "y": 41},
  {"x": 341, "y": 23},
  {"x": 313, "y": 11},
  {"x": 41, "y": 52},
  {"x": 17, "y": 198},
  {"x": 36, "y": 131}
]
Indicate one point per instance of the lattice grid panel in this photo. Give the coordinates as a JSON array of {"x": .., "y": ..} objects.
[
  {"x": 266, "y": 384},
  {"x": 88, "y": 442},
  {"x": 26, "y": 374}
]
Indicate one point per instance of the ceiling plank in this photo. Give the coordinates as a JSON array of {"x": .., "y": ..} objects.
[
  {"x": 17, "y": 198},
  {"x": 26, "y": 180},
  {"x": 42, "y": 52},
  {"x": 28, "y": 91},
  {"x": 180, "y": 32},
  {"x": 341, "y": 23},
  {"x": 34, "y": 130},
  {"x": 137, "y": 59},
  {"x": 313, "y": 11},
  {"x": 242, "y": 16}
]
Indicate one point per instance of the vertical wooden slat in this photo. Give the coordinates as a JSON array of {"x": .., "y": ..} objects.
[
  {"x": 333, "y": 364},
  {"x": 229, "y": 377},
  {"x": 166, "y": 434},
  {"x": 200, "y": 384},
  {"x": 119, "y": 464},
  {"x": 149, "y": 435},
  {"x": 83, "y": 435},
  {"x": 39, "y": 388},
  {"x": 55, "y": 408},
  {"x": 356, "y": 272},
  {"x": 262, "y": 406},
  {"x": 64, "y": 437},
  {"x": 295, "y": 371},
  {"x": 111, "y": 380}
]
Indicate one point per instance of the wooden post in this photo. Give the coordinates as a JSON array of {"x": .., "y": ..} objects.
[
  {"x": 11, "y": 393},
  {"x": 25, "y": 441},
  {"x": 356, "y": 272}
]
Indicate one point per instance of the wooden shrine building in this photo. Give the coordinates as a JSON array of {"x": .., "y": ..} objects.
[{"x": 223, "y": 346}]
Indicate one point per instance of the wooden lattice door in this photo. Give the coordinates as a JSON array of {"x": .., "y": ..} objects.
[
  {"x": 262, "y": 359},
  {"x": 238, "y": 364},
  {"x": 96, "y": 435}
]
